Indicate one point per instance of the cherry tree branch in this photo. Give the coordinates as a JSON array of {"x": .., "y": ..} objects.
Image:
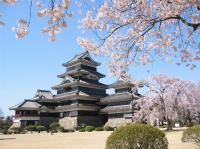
[
  {"x": 30, "y": 13},
  {"x": 178, "y": 17}
]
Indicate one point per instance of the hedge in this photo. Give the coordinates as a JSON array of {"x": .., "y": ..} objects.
[
  {"x": 54, "y": 126},
  {"x": 108, "y": 128},
  {"x": 89, "y": 128},
  {"x": 40, "y": 128},
  {"x": 99, "y": 129}
]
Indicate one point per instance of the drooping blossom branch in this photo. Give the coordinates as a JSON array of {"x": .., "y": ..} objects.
[{"x": 167, "y": 99}]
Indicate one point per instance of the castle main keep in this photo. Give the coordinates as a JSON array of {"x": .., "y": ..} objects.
[{"x": 80, "y": 100}]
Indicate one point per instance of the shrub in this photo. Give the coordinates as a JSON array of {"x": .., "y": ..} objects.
[
  {"x": 60, "y": 128},
  {"x": 54, "y": 131},
  {"x": 99, "y": 129},
  {"x": 71, "y": 130},
  {"x": 82, "y": 130},
  {"x": 16, "y": 130},
  {"x": 5, "y": 132},
  {"x": 6, "y": 127},
  {"x": 31, "y": 128},
  {"x": 9, "y": 132},
  {"x": 23, "y": 132},
  {"x": 192, "y": 134},
  {"x": 40, "y": 128},
  {"x": 137, "y": 136},
  {"x": 189, "y": 125},
  {"x": 89, "y": 128},
  {"x": 108, "y": 128},
  {"x": 78, "y": 127},
  {"x": 65, "y": 130},
  {"x": 54, "y": 126}
]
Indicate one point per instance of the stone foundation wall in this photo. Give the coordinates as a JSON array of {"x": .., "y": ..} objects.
[
  {"x": 117, "y": 122},
  {"x": 80, "y": 121},
  {"x": 91, "y": 120},
  {"x": 68, "y": 122}
]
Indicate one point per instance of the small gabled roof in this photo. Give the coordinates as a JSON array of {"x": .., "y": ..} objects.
[
  {"x": 121, "y": 84},
  {"x": 30, "y": 104},
  {"x": 26, "y": 104},
  {"x": 85, "y": 56},
  {"x": 43, "y": 94}
]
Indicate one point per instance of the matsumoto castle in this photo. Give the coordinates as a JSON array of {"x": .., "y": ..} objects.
[{"x": 80, "y": 100}]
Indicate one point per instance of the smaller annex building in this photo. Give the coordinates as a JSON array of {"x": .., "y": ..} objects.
[
  {"x": 119, "y": 106},
  {"x": 81, "y": 99}
]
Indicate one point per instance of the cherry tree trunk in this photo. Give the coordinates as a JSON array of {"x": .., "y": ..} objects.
[
  {"x": 189, "y": 119},
  {"x": 169, "y": 125}
]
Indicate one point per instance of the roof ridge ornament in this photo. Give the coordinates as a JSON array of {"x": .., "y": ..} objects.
[{"x": 81, "y": 58}]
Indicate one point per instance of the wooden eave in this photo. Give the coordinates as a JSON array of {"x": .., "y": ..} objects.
[
  {"x": 67, "y": 108},
  {"x": 80, "y": 83},
  {"x": 80, "y": 72},
  {"x": 84, "y": 72},
  {"x": 78, "y": 107},
  {"x": 118, "y": 97},
  {"x": 16, "y": 106},
  {"x": 116, "y": 109},
  {"x": 78, "y": 97},
  {"x": 46, "y": 101},
  {"x": 62, "y": 75},
  {"x": 25, "y": 108},
  {"x": 74, "y": 95}
]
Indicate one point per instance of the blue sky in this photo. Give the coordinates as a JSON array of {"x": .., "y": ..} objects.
[{"x": 33, "y": 62}]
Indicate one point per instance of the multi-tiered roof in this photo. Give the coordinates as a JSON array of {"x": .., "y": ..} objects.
[{"x": 80, "y": 88}]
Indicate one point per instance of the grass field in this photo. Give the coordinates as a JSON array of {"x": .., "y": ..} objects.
[{"x": 77, "y": 140}]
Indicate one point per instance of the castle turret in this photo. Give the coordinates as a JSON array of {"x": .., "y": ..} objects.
[{"x": 118, "y": 106}]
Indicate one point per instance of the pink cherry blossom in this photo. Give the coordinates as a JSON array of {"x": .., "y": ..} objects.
[
  {"x": 167, "y": 99},
  {"x": 9, "y": 1},
  {"x": 141, "y": 31},
  {"x": 22, "y": 29}
]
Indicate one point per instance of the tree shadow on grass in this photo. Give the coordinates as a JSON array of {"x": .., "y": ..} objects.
[{"x": 7, "y": 138}]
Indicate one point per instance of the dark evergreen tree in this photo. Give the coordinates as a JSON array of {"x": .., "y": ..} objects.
[{"x": 1, "y": 113}]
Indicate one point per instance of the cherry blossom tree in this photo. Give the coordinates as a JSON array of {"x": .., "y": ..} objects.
[
  {"x": 128, "y": 31},
  {"x": 142, "y": 31},
  {"x": 55, "y": 10},
  {"x": 190, "y": 108},
  {"x": 168, "y": 99}
]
